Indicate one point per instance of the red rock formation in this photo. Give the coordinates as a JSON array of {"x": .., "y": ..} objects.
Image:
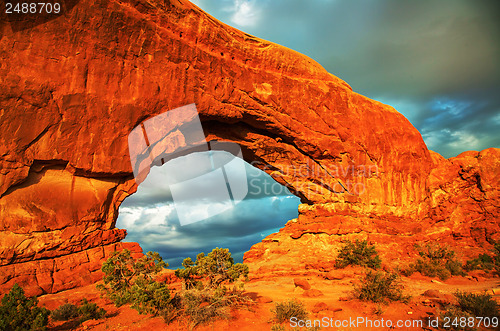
[
  {"x": 72, "y": 88},
  {"x": 462, "y": 211}
]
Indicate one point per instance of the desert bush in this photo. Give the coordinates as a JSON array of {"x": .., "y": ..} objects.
[
  {"x": 205, "y": 296},
  {"x": 435, "y": 261},
  {"x": 65, "y": 312},
  {"x": 450, "y": 319},
  {"x": 149, "y": 296},
  {"x": 17, "y": 312},
  {"x": 283, "y": 311},
  {"x": 86, "y": 311},
  {"x": 90, "y": 311},
  {"x": 217, "y": 267},
  {"x": 496, "y": 257},
  {"x": 203, "y": 307},
  {"x": 477, "y": 304},
  {"x": 169, "y": 313},
  {"x": 127, "y": 280},
  {"x": 189, "y": 274},
  {"x": 469, "y": 306},
  {"x": 358, "y": 253},
  {"x": 486, "y": 262},
  {"x": 207, "y": 304},
  {"x": 482, "y": 262},
  {"x": 380, "y": 287}
]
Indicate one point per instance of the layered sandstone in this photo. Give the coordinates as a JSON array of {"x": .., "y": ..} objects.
[
  {"x": 463, "y": 212},
  {"x": 73, "y": 88}
]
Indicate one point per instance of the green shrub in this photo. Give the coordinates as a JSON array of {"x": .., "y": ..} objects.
[
  {"x": 380, "y": 287},
  {"x": 65, "y": 312},
  {"x": 207, "y": 304},
  {"x": 470, "y": 306},
  {"x": 477, "y": 304},
  {"x": 428, "y": 268},
  {"x": 436, "y": 261},
  {"x": 217, "y": 267},
  {"x": 90, "y": 311},
  {"x": 284, "y": 311},
  {"x": 169, "y": 313},
  {"x": 496, "y": 252},
  {"x": 450, "y": 319},
  {"x": 358, "y": 253},
  {"x": 486, "y": 262},
  {"x": 203, "y": 307},
  {"x": 86, "y": 311},
  {"x": 205, "y": 296},
  {"x": 131, "y": 281},
  {"x": 149, "y": 296},
  {"x": 482, "y": 262},
  {"x": 20, "y": 313}
]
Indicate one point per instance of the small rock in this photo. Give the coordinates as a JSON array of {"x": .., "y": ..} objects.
[
  {"x": 432, "y": 294},
  {"x": 264, "y": 299},
  {"x": 312, "y": 293},
  {"x": 334, "y": 275},
  {"x": 496, "y": 291},
  {"x": 89, "y": 323},
  {"x": 319, "y": 307},
  {"x": 302, "y": 283}
]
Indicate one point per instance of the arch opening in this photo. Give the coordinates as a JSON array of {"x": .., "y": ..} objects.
[{"x": 160, "y": 216}]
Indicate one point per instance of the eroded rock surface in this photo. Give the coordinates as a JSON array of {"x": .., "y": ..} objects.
[{"x": 72, "y": 89}]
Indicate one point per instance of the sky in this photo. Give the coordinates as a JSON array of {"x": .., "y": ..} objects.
[
  {"x": 151, "y": 215},
  {"x": 436, "y": 62}
]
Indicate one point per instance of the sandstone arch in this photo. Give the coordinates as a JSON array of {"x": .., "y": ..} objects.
[{"x": 73, "y": 88}]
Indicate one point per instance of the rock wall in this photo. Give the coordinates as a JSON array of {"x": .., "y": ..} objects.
[
  {"x": 72, "y": 89},
  {"x": 463, "y": 212}
]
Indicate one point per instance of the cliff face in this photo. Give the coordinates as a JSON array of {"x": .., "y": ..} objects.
[
  {"x": 72, "y": 89},
  {"x": 462, "y": 210}
]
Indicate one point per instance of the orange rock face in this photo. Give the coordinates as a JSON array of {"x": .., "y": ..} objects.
[
  {"x": 462, "y": 211},
  {"x": 72, "y": 89}
]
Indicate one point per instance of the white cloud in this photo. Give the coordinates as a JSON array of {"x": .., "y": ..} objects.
[
  {"x": 464, "y": 139},
  {"x": 245, "y": 13},
  {"x": 147, "y": 219},
  {"x": 455, "y": 142},
  {"x": 496, "y": 119}
]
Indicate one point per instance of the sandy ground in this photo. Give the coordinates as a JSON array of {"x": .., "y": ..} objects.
[{"x": 336, "y": 302}]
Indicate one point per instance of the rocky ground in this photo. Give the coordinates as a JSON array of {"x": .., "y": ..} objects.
[{"x": 328, "y": 295}]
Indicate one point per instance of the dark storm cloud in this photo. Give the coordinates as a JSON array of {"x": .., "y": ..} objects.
[
  {"x": 156, "y": 190},
  {"x": 151, "y": 217},
  {"x": 404, "y": 53},
  {"x": 157, "y": 228}
]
